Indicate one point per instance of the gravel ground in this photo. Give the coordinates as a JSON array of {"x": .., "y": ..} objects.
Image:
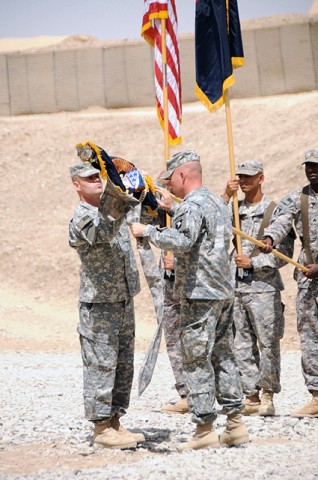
[{"x": 44, "y": 435}]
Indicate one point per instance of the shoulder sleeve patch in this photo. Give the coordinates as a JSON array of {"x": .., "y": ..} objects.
[
  {"x": 181, "y": 223},
  {"x": 283, "y": 204},
  {"x": 84, "y": 221}
]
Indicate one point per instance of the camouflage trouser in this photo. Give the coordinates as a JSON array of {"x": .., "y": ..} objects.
[
  {"x": 258, "y": 320},
  {"x": 209, "y": 364},
  {"x": 307, "y": 326},
  {"x": 107, "y": 336},
  {"x": 171, "y": 327}
]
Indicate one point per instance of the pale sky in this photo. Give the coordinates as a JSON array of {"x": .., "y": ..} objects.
[{"x": 112, "y": 19}]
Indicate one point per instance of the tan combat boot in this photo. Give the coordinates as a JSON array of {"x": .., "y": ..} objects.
[
  {"x": 115, "y": 423},
  {"x": 251, "y": 405},
  {"x": 107, "y": 437},
  {"x": 309, "y": 410},
  {"x": 203, "y": 437},
  {"x": 267, "y": 408},
  {"x": 235, "y": 432},
  {"x": 179, "y": 407}
]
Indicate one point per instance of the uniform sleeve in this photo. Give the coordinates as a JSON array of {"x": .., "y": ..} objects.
[
  {"x": 286, "y": 236},
  {"x": 101, "y": 225},
  {"x": 286, "y": 247},
  {"x": 92, "y": 229},
  {"x": 187, "y": 223},
  {"x": 282, "y": 220},
  {"x": 173, "y": 209}
]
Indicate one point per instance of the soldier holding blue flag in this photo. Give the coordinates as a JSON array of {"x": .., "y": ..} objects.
[
  {"x": 109, "y": 281},
  {"x": 258, "y": 309}
]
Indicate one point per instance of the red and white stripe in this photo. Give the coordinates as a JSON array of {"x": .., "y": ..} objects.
[{"x": 155, "y": 10}]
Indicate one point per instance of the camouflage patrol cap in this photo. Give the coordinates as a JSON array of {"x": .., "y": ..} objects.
[
  {"x": 250, "y": 167},
  {"x": 311, "y": 156},
  {"x": 178, "y": 159},
  {"x": 83, "y": 169}
]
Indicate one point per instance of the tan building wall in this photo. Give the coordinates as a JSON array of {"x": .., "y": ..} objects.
[{"x": 278, "y": 59}]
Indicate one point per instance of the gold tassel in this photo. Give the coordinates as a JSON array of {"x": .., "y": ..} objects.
[{"x": 97, "y": 150}]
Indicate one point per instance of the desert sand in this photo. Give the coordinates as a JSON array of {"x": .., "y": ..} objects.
[{"x": 39, "y": 274}]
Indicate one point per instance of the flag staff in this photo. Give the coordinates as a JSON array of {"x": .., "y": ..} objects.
[
  {"x": 165, "y": 100},
  {"x": 259, "y": 243},
  {"x": 232, "y": 168},
  {"x": 159, "y": 28},
  {"x": 219, "y": 49},
  {"x": 165, "y": 90}
]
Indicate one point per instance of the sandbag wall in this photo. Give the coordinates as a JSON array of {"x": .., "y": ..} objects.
[{"x": 281, "y": 59}]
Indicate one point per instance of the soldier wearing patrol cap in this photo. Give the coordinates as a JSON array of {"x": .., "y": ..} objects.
[
  {"x": 300, "y": 208},
  {"x": 108, "y": 282},
  {"x": 200, "y": 240},
  {"x": 258, "y": 311}
]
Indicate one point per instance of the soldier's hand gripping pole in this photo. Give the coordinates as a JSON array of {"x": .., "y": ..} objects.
[{"x": 275, "y": 252}]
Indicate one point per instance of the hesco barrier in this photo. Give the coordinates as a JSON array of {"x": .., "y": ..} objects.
[{"x": 279, "y": 59}]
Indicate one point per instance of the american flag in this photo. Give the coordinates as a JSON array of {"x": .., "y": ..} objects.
[{"x": 155, "y": 10}]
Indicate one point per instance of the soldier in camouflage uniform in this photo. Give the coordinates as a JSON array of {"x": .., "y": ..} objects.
[
  {"x": 161, "y": 283},
  {"x": 171, "y": 326},
  {"x": 199, "y": 240},
  {"x": 108, "y": 282},
  {"x": 291, "y": 210},
  {"x": 258, "y": 310}
]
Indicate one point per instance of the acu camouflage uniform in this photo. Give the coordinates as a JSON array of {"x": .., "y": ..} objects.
[
  {"x": 171, "y": 326},
  {"x": 258, "y": 310},
  {"x": 108, "y": 282},
  {"x": 200, "y": 240},
  {"x": 288, "y": 212},
  {"x": 167, "y": 305},
  {"x": 171, "y": 318}
]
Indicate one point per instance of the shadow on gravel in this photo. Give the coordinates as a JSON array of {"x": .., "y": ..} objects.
[{"x": 156, "y": 439}]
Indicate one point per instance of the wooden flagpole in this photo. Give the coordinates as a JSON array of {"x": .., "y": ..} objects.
[
  {"x": 232, "y": 169},
  {"x": 146, "y": 370},
  {"x": 239, "y": 232},
  {"x": 232, "y": 173},
  {"x": 165, "y": 100},
  {"x": 165, "y": 89},
  {"x": 275, "y": 252}
]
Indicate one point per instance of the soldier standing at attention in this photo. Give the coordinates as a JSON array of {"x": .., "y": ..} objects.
[
  {"x": 108, "y": 282},
  {"x": 258, "y": 309},
  {"x": 200, "y": 240},
  {"x": 301, "y": 209}
]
